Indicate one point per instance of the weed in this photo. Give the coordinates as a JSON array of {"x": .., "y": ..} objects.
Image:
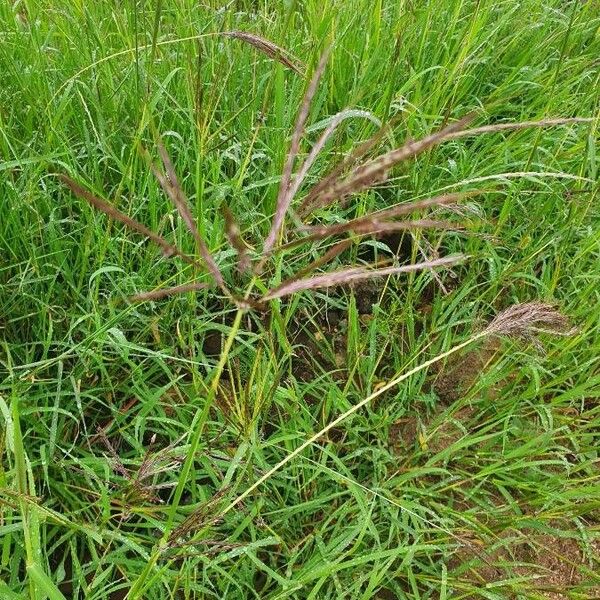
[{"x": 274, "y": 435}]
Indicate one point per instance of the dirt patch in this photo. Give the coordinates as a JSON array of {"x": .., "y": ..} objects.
[
  {"x": 555, "y": 564},
  {"x": 366, "y": 295},
  {"x": 458, "y": 375},
  {"x": 385, "y": 594},
  {"x": 430, "y": 435},
  {"x": 309, "y": 358},
  {"x": 403, "y": 434},
  {"x": 212, "y": 343},
  {"x": 546, "y": 565},
  {"x": 447, "y": 433}
]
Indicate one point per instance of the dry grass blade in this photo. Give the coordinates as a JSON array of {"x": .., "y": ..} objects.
[
  {"x": 326, "y": 182},
  {"x": 232, "y": 231},
  {"x": 174, "y": 191},
  {"x": 375, "y": 171},
  {"x": 353, "y": 275},
  {"x": 524, "y": 321},
  {"x": 170, "y": 291},
  {"x": 284, "y": 197},
  {"x": 269, "y": 49},
  {"x": 168, "y": 249}
]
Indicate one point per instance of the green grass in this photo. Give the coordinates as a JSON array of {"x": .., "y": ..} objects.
[{"x": 413, "y": 496}]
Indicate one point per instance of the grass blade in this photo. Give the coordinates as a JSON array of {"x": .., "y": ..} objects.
[
  {"x": 342, "y": 417},
  {"x": 44, "y": 583},
  {"x": 172, "y": 188},
  {"x": 170, "y": 291},
  {"x": 167, "y": 248}
]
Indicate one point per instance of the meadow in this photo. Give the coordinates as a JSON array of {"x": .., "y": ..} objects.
[{"x": 299, "y": 299}]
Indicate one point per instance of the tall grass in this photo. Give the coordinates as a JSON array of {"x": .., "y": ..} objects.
[{"x": 243, "y": 428}]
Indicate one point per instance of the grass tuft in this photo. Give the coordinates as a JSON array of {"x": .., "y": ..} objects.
[{"x": 247, "y": 428}]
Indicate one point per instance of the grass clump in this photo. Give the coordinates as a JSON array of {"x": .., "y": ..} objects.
[{"x": 250, "y": 405}]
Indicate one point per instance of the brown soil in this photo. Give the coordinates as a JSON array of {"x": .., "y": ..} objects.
[
  {"x": 548, "y": 566},
  {"x": 450, "y": 431},
  {"x": 454, "y": 379},
  {"x": 451, "y": 383},
  {"x": 308, "y": 359},
  {"x": 404, "y": 433}
]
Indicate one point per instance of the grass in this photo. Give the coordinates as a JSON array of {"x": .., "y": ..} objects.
[{"x": 130, "y": 470}]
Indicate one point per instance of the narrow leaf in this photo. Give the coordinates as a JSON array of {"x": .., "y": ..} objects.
[
  {"x": 170, "y": 291},
  {"x": 167, "y": 248},
  {"x": 44, "y": 584}
]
